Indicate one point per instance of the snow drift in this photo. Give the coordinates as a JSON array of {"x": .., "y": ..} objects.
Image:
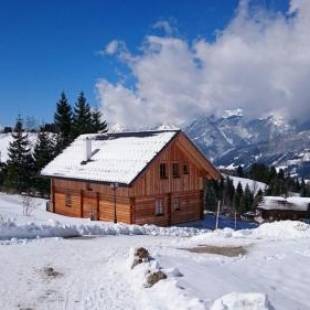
[
  {"x": 242, "y": 301},
  {"x": 10, "y": 229}
]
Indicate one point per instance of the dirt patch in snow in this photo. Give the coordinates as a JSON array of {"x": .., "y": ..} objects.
[
  {"x": 50, "y": 272},
  {"x": 154, "y": 277},
  {"x": 230, "y": 251}
]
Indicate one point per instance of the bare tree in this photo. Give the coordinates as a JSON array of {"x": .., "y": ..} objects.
[{"x": 28, "y": 205}]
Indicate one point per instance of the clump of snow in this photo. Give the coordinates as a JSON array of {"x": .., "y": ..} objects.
[
  {"x": 165, "y": 291},
  {"x": 242, "y": 301},
  {"x": 283, "y": 230},
  {"x": 10, "y": 229}
]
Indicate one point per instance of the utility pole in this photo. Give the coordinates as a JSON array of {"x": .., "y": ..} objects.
[{"x": 217, "y": 214}]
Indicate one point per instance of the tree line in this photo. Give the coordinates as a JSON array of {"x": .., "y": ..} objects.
[
  {"x": 21, "y": 172},
  {"x": 245, "y": 199}
]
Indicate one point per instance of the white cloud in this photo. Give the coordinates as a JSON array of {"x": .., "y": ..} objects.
[
  {"x": 259, "y": 62},
  {"x": 112, "y": 47},
  {"x": 165, "y": 26}
]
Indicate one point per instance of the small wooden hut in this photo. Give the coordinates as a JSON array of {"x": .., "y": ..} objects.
[{"x": 275, "y": 208}]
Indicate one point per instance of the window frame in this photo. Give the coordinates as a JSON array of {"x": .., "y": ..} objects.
[
  {"x": 163, "y": 171},
  {"x": 176, "y": 170},
  {"x": 185, "y": 169},
  {"x": 159, "y": 207},
  {"x": 178, "y": 201}
]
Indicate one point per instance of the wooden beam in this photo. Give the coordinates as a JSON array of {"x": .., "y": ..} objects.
[
  {"x": 132, "y": 211},
  {"x": 97, "y": 206},
  {"x": 82, "y": 203},
  {"x": 52, "y": 198}
]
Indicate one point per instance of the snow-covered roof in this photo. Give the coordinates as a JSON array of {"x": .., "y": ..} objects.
[
  {"x": 115, "y": 157},
  {"x": 281, "y": 203}
]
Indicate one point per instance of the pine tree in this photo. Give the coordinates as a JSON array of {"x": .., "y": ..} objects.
[
  {"x": 210, "y": 196},
  {"x": 305, "y": 189},
  {"x": 97, "y": 124},
  {"x": 20, "y": 164},
  {"x": 3, "y": 173},
  {"x": 240, "y": 172},
  {"x": 42, "y": 155},
  {"x": 238, "y": 198},
  {"x": 229, "y": 192},
  {"x": 258, "y": 198},
  {"x": 63, "y": 123},
  {"x": 82, "y": 117},
  {"x": 248, "y": 198}
]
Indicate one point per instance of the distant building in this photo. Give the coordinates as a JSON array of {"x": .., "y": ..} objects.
[
  {"x": 150, "y": 177},
  {"x": 275, "y": 208}
]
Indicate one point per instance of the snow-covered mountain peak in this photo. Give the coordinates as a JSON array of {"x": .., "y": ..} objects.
[
  {"x": 237, "y": 139},
  {"x": 167, "y": 126},
  {"x": 231, "y": 113}
]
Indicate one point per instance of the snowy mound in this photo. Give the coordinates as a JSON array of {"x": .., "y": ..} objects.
[
  {"x": 283, "y": 230},
  {"x": 242, "y": 301},
  {"x": 10, "y": 229}
]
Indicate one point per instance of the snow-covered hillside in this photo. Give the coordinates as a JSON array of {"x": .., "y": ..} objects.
[
  {"x": 262, "y": 268},
  {"x": 253, "y": 185}
]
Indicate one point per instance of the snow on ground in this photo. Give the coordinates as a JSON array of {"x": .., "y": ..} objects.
[
  {"x": 91, "y": 272},
  {"x": 13, "y": 224}
]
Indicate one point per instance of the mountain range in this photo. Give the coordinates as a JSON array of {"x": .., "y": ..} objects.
[{"x": 234, "y": 139}]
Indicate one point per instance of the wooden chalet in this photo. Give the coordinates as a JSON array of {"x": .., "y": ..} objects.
[
  {"x": 150, "y": 177},
  {"x": 276, "y": 208}
]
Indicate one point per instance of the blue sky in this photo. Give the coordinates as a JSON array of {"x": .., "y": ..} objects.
[{"x": 50, "y": 46}]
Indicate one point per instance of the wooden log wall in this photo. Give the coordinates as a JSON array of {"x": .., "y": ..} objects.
[
  {"x": 91, "y": 200},
  {"x": 145, "y": 210},
  {"x": 149, "y": 183},
  {"x": 190, "y": 206}
]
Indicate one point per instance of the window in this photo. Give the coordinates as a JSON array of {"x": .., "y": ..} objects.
[
  {"x": 68, "y": 201},
  {"x": 163, "y": 171},
  {"x": 159, "y": 207},
  {"x": 175, "y": 170},
  {"x": 176, "y": 204},
  {"x": 88, "y": 187},
  {"x": 185, "y": 169}
]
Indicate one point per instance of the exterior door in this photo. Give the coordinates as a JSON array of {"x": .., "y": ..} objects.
[{"x": 90, "y": 205}]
